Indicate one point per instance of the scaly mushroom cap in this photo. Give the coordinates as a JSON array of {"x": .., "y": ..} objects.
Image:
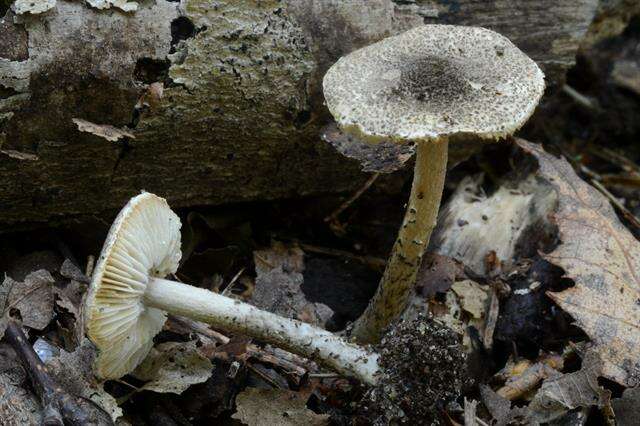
[
  {"x": 144, "y": 242},
  {"x": 431, "y": 82}
]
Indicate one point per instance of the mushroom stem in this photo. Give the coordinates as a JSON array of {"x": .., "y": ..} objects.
[
  {"x": 419, "y": 221},
  {"x": 235, "y": 316}
]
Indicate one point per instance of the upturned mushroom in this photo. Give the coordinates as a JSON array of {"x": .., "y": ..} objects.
[
  {"x": 129, "y": 298},
  {"x": 430, "y": 86}
]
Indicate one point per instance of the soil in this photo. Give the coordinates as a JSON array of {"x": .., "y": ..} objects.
[{"x": 424, "y": 367}]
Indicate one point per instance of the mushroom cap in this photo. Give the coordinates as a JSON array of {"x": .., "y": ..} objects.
[
  {"x": 433, "y": 82},
  {"x": 143, "y": 242}
]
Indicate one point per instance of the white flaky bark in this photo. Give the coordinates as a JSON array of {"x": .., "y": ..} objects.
[{"x": 236, "y": 316}]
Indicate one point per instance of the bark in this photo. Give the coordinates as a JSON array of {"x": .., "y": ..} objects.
[{"x": 241, "y": 111}]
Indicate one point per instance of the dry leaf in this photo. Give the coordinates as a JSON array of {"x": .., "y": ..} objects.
[
  {"x": 465, "y": 306},
  {"x": 172, "y": 367},
  {"x": 278, "y": 285},
  {"x": 105, "y": 131},
  {"x": 74, "y": 372},
  {"x": 500, "y": 408},
  {"x": 33, "y": 297},
  {"x": 152, "y": 96},
  {"x": 437, "y": 274},
  {"x": 18, "y": 406},
  {"x": 276, "y": 407},
  {"x": 71, "y": 271},
  {"x": 565, "y": 392},
  {"x": 523, "y": 381},
  {"x": 473, "y": 297},
  {"x": 603, "y": 259},
  {"x": 627, "y": 408}
]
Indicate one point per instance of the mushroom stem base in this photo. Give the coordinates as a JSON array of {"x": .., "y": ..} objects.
[
  {"x": 239, "y": 317},
  {"x": 419, "y": 221}
]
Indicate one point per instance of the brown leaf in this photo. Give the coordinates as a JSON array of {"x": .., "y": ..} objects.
[
  {"x": 105, "y": 131},
  {"x": 278, "y": 285},
  {"x": 437, "y": 273},
  {"x": 276, "y": 407},
  {"x": 627, "y": 408},
  {"x": 152, "y": 96},
  {"x": 18, "y": 406},
  {"x": 33, "y": 298},
  {"x": 500, "y": 407},
  {"x": 173, "y": 367},
  {"x": 603, "y": 259},
  {"x": 71, "y": 271},
  {"x": 565, "y": 392},
  {"x": 473, "y": 297},
  {"x": 74, "y": 372}
]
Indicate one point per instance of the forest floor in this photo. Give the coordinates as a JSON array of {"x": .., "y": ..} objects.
[{"x": 534, "y": 267}]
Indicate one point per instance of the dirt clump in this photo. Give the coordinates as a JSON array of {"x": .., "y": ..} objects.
[{"x": 424, "y": 368}]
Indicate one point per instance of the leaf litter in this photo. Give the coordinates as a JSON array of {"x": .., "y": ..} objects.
[
  {"x": 173, "y": 367},
  {"x": 603, "y": 259},
  {"x": 276, "y": 407},
  {"x": 32, "y": 298},
  {"x": 467, "y": 291}
]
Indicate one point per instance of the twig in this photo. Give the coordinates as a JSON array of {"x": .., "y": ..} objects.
[
  {"x": 631, "y": 180},
  {"x": 324, "y": 375},
  {"x": 517, "y": 386},
  {"x": 59, "y": 407},
  {"x": 596, "y": 181},
  {"x": 267, "y": 358},
  {"x": 200, "y": 328},
  {"x": 90, "y": 264},
  {"x": 615, "y": 158},
  {"x": 492, "y": 319},
  {"x": 229, "y": 286},
  {"x": 580, "y": 99},
  {"x": 481, "y": 422},
  {"x": 252, "y": 350},
  {"x": 263, "y": 260},
  {"x": 616, "y": 203},
  {"x": 334, "y": 216},
  {"x": 264, "y": 376},
  {"x": 129, "y": 385}
]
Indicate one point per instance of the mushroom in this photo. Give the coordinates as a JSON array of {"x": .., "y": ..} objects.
[
  {"x": 431, "y": 85},
  {"x": 129, "y": 298}
]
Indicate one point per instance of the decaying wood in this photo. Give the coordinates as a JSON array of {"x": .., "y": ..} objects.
[{"x": 241, "y": 110}]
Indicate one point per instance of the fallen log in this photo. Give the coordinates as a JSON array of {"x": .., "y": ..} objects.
[{"x": 222, "y": 98}]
